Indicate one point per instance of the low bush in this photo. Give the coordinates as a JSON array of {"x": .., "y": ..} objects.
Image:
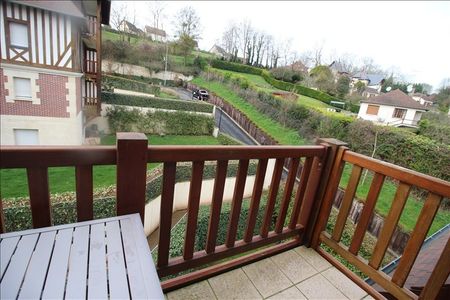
[
  {"x": 159, "y": 122},
  {"x": 170, "y": 104},
  {"x": 129, "y": 84},
  {"x": 225, "y": 139},
  {"x": 146, "y": 80}
]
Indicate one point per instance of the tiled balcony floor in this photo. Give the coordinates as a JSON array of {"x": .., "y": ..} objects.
[{"x": 300, "y": 273}]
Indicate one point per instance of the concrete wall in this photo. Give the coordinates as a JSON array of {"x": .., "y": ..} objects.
[
  {"x": 180, "y": 201},
  {"x": 127, "y": 69}
]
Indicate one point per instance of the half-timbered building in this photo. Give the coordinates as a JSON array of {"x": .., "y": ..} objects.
[{"x": 50, "y": 69}]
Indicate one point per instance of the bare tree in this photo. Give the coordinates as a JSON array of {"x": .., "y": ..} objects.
[
  {"x": 118, "y": 15},
  {"x": 230, "y": 40},
  {"x": 259, "y": 48},
  {"x": 268, "y": 49},
  {"x": 157, "y": 10},
  {"x": 187, "y": 22},
  {"x": 317, "y": 54},
  {"x": 245, "y": 37}
]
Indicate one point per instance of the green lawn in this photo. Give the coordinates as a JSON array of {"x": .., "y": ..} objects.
[
  {"x": 112, "y": 36},
  {"x": 284, "y": 135},
  {"x": 13, "y": 182},
  {"x": 263, "y": 85},
  {"x": 291, "y": 137}
]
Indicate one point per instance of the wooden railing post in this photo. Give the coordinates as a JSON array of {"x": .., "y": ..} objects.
[
  {"x": 328, "y": 161},
  {"x": 131, "y": 173}
]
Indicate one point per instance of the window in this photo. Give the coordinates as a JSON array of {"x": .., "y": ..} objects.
[
  {"x": 22, "y": 88},
  {"x": 18, "y": 35},
  {"x": 26, "y": 136},
  {"x": 399, "y": 113},
  {"x": 372, "y": 109}
]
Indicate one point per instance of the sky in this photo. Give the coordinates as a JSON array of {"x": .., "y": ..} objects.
[{"x": 412, "y": 38}]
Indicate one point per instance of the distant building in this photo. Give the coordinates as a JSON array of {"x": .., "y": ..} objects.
[
  {"x": 423, "y": 99},
  {"x": 370, "y": 92},
  {"x": 219, "y": 51},
  {"x": 393, "y": 109},
  {"x": 374, "y": 81},
  {"x": 155, "y": 34},
  {"x": 50, "y": 70},
  {"x": 299, "y": 66},
  {"x": 128, "y": 27},
  {"x": 337, "y": 69}
]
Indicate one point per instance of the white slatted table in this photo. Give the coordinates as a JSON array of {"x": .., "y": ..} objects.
[{"x": 107, "y": 258}]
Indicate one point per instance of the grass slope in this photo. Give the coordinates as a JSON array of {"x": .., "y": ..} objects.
[
  {"x": 284, "y": 135},
  {"x": 13, "y": 182},
  {"x": 291, "y": 137}
]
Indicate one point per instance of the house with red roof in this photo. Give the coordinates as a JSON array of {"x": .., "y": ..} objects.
[{"x": 394, "y": 108}]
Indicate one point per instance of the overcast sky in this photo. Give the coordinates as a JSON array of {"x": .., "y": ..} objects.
[{"x": 411, "y": 37}]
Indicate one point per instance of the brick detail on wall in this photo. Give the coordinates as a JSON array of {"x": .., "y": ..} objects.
[{"x": 52, "y": 94}]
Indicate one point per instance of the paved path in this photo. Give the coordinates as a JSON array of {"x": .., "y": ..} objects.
[{"x": 226, "y": 125}]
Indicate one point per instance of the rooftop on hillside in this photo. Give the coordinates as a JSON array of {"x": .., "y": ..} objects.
[{"x": 395, "y": 98}]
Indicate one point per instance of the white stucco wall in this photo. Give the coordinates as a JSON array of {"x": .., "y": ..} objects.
[
  {"x": 385, "y": 114},
  {"x": 180, "y": 201}
]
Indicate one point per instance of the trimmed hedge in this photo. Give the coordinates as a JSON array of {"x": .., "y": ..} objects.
[
  {"x": 129, "y": 84},
  {"x": 395, "y": 145},
  {"x": 146, "y": 80},
  {"x": 282, "y": 85},
  {"x": 170, "y": 104},
  {"x": 159, "y": 122}
]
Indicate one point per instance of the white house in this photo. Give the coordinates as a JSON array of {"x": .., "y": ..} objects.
[
  {"x": 393, "y": 109},
  {"x": 219, "y": 51},
  {"x": 423, "y": 99},
  {"x": 373, "y": 81},
  {"x": 155, "y": 34}
]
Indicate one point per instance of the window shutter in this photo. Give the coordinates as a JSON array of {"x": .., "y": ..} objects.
[{"x": 372, "y": 109}]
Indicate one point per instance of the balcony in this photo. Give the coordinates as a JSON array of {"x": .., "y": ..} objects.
[{"x": 285, "y": 254}]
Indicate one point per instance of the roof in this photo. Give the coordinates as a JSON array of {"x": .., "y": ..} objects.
[
  {"x": 299, "y": 66},
  {"x": 371, "y": 90},
  {"x": 395, "y": 98},
  {"x": 132, "y": 27},
  {"x": 374, "y": 79},
  {"x": 76, "y": 9},
  {"x": 424, "y": 97},
  {"x": 337, "y": 66},
  {"x": 218, "y": 49},
  {"x": 155, "y": 31}
]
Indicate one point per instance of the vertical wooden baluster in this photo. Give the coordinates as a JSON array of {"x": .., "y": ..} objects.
[
  {"x": 217, "y": 197},
  {"x": 439, "y": 275},
  {"x": 2, "y": 218},
  {"x": 256, "y": 197},
  {"x": 335, "y": 159},
  {"x": 304, "y": 176},
  {"x": 84, "y": 187},
  {"x": 39, "y": 197},
  {"x": 347, "y": 201},
  {"x": 236, "y": 203},
  {"x": 272, "y": 197},
  {"x": 416, "y": 239},
  {"x": 369, "y": 205},
  {"x": 287, "y": 194},
  {"x": 310, "y": 192},
  {"x": 389, "y": 224},
  {"x": 165, "y": 222},
  {"x": 131, "y": 173},
  {"x": 192, "y": 211}
]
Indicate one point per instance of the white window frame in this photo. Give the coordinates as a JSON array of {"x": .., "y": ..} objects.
[
  {"x": 12, "y": 72},
  {"x": 14, "y": 40},
  {"x": 17, "y": 130}
]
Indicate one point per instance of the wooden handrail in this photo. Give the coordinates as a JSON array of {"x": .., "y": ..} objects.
[{"x": 437, "y": 190}]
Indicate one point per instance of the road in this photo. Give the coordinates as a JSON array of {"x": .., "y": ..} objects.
[
  {"x": 223, "y": 121},
  {"x": 228, "y": 126}
]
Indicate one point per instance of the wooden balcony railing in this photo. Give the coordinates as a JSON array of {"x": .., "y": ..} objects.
[
  {"x": 436, "y": 188},
  {"x": 321, "y": 170}
]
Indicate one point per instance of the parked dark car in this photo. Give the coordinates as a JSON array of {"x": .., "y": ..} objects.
[{"x": 200, "y": 95}]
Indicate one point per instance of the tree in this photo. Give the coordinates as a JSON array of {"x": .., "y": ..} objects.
[
  {"x": 443, "y": 99},
  {"x": 245, "y": 32},
  {"x": 184, "y": 45},
  {"x": 230, "y": 40},
  {"x": 343, "y": 86},
  {"x": 323, "y": 78},
  {"x": 360, "y": 86},
  {"x": 187, "y": 23},
  {"x": 118, "y": 15},
  {"x": 157, "y": 11}
]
